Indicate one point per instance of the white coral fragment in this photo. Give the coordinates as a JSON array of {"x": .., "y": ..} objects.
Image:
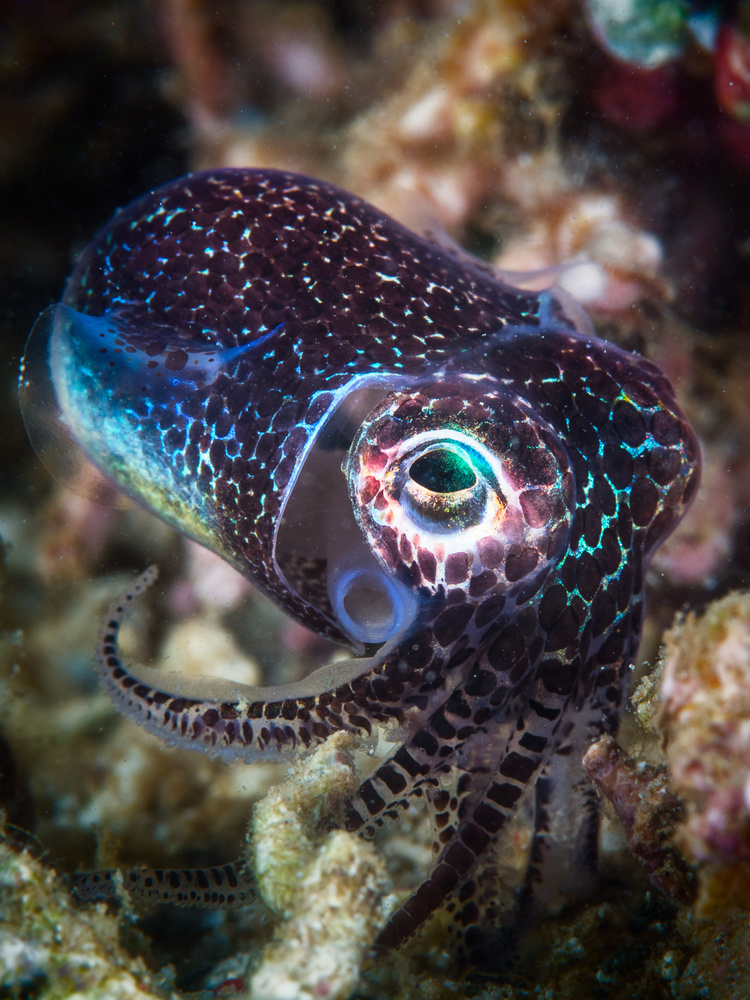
[{"x": 329, "y": 886}]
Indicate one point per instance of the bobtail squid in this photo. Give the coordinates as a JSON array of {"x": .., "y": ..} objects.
[{"x": 450, "y": 475}]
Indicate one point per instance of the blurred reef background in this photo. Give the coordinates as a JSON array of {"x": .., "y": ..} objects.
[{"x": 614, "y": 134}]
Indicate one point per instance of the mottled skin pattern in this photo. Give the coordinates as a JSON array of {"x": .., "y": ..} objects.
[{"x": 530, "y": 588}]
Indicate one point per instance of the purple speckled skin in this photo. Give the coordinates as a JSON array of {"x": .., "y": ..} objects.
[
  {"x": 226, "y": 257},
  {"x": 280, "y": 291}
]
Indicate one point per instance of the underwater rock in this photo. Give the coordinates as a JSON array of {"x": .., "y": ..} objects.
[{"x": 607, "y": 261}]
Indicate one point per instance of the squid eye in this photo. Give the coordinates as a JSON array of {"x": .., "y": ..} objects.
[
  {"x": 445, "y": 486},
  {"x": 443, "y": 471},
  {"x": 453, "y": 498}
]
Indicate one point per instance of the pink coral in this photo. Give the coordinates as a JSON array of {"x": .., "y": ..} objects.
[{"x": 705, "y": 725}]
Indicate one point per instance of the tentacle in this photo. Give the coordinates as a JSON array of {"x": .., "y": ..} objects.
[
  {"x": 489, "y": 791},
  {"x": 399, "y": 778},
  {"x": 563, "y": 855},
  {"x": 565, "y": 850},
  {"x": 232, "y": 720},
  {"x": 220, "y": 888},
  {"x": 431, "y": 752},
  {"x": 562, "y": 866},
  {"x": 563, "y": 858},
  {"x": 471, "y": 825}
]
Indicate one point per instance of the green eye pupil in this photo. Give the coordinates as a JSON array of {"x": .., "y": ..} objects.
[{"x": 443, "y": 471}]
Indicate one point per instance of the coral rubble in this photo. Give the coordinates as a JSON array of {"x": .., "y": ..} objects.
[
  {"x": 49, "y": 949},
  {"x": 327, "y": 885}
]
